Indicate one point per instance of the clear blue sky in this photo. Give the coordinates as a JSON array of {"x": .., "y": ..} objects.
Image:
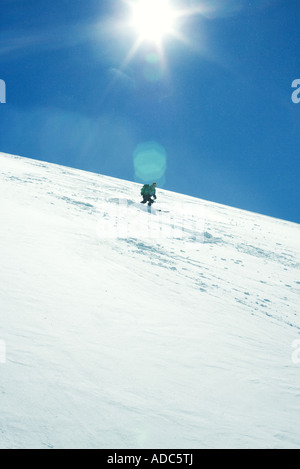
[{"x": 218, "y": 103}]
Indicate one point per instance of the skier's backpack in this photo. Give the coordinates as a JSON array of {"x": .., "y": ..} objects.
[{"x": 145, "y": 189}]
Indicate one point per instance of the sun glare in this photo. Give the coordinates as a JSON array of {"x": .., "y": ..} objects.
[
  {"x": 152, "y": 22},
  {"x": 152, "y": 19}
]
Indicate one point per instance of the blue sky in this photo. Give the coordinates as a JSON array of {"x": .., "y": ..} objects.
[{"x": 217, "y": 105}]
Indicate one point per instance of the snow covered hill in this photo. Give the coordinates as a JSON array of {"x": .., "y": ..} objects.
[{"x": 121, "y": 328}]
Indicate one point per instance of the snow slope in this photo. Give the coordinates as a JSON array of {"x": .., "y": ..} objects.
[{"x": 127, "y": 329}]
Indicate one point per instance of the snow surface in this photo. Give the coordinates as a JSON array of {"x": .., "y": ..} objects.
[{"x": 127, "y": 329}]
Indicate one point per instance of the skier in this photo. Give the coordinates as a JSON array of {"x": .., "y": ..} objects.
[{"x": 148, "y": 192}]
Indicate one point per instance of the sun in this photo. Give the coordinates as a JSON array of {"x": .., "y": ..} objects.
[
  {"x": 152, "y": 19},
  {"x": 152, "y": 22}
]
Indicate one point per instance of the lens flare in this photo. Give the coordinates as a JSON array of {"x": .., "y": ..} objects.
[
  {"x": 153, "y": 68},
  {"x": 150, "y": 162}
]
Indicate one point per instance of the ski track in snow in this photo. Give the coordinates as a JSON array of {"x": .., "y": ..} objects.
[{"x": 126, "y": 328}]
